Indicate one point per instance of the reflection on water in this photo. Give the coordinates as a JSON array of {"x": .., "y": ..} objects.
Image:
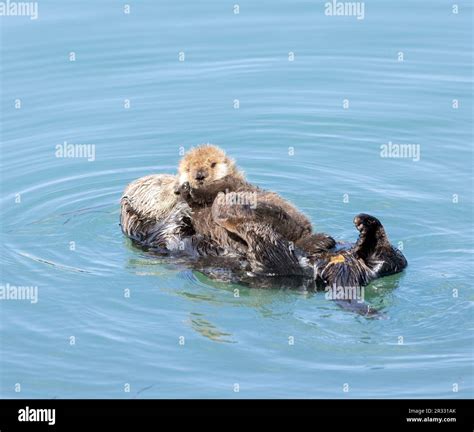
[
  {"x": 53, "y": 264},
  {"x": 208, "y": 330}
]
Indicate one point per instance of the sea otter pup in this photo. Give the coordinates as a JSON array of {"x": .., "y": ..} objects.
[{"x": 206, "y": 171}]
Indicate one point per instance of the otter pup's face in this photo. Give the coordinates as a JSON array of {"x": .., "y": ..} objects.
[{"x": 204, "y": 165}]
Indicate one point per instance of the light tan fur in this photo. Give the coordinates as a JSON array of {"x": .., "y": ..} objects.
[
  {"x": 152, "y": 196},
  {"x": 210, "y": 162},
  {"x": 152, "y": 215}
]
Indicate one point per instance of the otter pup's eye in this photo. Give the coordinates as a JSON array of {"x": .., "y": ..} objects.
[{"x": 213, "y": 164}]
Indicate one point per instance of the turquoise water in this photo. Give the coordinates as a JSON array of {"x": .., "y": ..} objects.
[{"x": 110, "y": 318}]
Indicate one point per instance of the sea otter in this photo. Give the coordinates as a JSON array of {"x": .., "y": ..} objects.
[{"x": 157, "y": 219}]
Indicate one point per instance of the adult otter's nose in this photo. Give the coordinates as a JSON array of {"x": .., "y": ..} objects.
[{"x": 200, "y": 175}]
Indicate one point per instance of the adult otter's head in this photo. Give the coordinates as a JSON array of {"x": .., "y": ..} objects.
[
  {"x": 152, "y": 215},
  {"x": 205, "y": 164}
]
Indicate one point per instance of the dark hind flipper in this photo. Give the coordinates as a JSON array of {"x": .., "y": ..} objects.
[
  {"x": 371, "y": 236},
  {"x": 354, "y": 267},
  {"x": 343, "y": 274},
  {"x": 269, "y": 253},
  {"x": 343, "y": 277},
  {"x": 374, "y": 248},
  {"x": 341, "y": 270}
]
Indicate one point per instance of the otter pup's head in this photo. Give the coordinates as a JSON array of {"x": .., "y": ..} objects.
[{"x": 205, "y": 164}]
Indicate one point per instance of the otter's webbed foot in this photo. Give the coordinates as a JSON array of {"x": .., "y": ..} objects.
[
  {"x": 374, "y": 248},
  {"x": 371, "y": 232}
]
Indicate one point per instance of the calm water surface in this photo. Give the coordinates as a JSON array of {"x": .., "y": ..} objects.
[{"x": 282, "y": 116}]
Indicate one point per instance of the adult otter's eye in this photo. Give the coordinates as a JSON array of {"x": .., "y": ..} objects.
[{"x": 213, "y": 164}]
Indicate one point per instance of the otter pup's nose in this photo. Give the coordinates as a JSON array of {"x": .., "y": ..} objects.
[{"x": 200, "y": 175}]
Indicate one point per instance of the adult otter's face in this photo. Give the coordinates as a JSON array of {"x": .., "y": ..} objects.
[{"x": 204, "y": 165}]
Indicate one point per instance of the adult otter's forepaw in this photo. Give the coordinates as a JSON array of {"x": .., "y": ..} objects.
[
  {"x": 184, "y": 191},
  {"x": 190, "y": 195}
]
